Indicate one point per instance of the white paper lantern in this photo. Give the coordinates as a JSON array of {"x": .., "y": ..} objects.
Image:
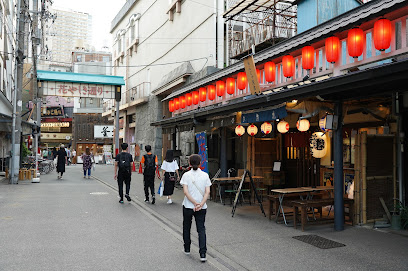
[
  {"x": 303, "y": 125},
  {"x": 318, "y": 145},
  {"x": 252, "y": 130},
  {"x": 239, "y": 130},
  {"x": 283, "y": 127},
  {"x": 266, "y": 128},
  {"x": 322, "y": 124}
]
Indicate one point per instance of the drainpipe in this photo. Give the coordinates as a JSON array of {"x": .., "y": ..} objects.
[
  {"x": 400, "y": 149},
  {"x": 338, "y": 169},
  {"x": 223, "y": 152}
]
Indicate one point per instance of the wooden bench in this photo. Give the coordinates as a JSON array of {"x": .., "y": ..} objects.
[
  {"x": 287, "y": 201},
  {"x": 318, "y": 203}
]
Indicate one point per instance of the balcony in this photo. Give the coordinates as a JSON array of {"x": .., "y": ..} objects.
[
  {"x": 135, "y": 96},
  {"x": 108, "y": 108}
]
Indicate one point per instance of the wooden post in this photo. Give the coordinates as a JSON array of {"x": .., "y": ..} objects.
[
  {"x": 253, "y": 154},
  {"x": 357, "y": 180},
  {"x": 364, "y": 175},
  {"x": 394, "y": 173},
  {"x": 249, "y": 151}
]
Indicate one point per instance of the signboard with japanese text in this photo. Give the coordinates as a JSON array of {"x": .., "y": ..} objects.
[
  {"x": 52, "y": 112},
  {"x": 252, "y": 77},
  {"x": 54, "y": 124},
  {"x": 103, "y": 131},
  {"x": 66, "y": 89},
  {"x": 202, "y": 150}
]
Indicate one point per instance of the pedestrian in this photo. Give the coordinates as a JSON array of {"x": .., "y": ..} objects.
[
  {"x": 68, "y": 156},
  {"x": 74, "y": 157},
  {"x": 149, "y": 163},
  {"x": 61, "y": 161},
  {"x": 87, "y": 163},
  {"x": 196, "y": 187},
  {"x": 170, "y": 170},
  {"x": 123, "y": 171}
]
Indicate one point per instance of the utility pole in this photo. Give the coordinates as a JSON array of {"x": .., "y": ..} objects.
[
  {"x": 18, "y": 85},
  {"x": 34, "y": 43}
]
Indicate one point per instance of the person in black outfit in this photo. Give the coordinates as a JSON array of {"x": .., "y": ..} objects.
[
  {"x": 123, "y": 171},
  {"x": 149, "y": 162},
  {"x": 62, "y": 160}
]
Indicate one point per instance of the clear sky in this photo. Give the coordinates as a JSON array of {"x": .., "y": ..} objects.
[{"x": 102, "y": 11}]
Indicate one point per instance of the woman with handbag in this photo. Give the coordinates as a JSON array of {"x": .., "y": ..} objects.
[
  {"x": 170, "y": 173},
  {"x": 87, "y": 163}
]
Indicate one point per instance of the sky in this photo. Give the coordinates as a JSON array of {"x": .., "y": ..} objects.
[{"x": 102, "y": 11}]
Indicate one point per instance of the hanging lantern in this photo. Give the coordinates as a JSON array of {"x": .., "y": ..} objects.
[
  {"x": 242, "y": 81},
  {"x": 303, "y": 125},
  {"x": 382, "y": 34},
  {"x": 230, "y": 86},
  {"x": 355, "y": 42},
  {"x": 318, "y": 145},
  {"x": 203, "y": 94},
  {"x": 322, "y": 124},
  {"x": 283, "y": 127},
  {"x": 270, "y": 71},
  {"x": 288, "y": 66},
  {"x": 239, "y": 130},
  {"x": 211, "y": 92},
  {"x": 189, "y": 99},
  {"x": 171, "y": 106},
  {"x": 220, "y": 87},
  {"x": 176, "y": 103},
  {"x": 195, "y": 97},
  {"x": 332, "y": 49},
  {"x": 182, "y": 102},
  {"x": 266, "y": 128},
  {"x": 252, "y": 130},
  {"x": 258, "y": 75},
  {"x": 308, "y": 57}
]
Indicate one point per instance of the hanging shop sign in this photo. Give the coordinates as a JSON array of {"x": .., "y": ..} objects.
[
  {"x": 318, "y": 144},
  {"x": 202, "y": 150},
  {"x": 54, "y": 124},
  {"x": 55, "y": 136},
  {"x": 103, "y": 131},
  {"x": 262, "y": 116},
  {"x": 251, "y": 76},
  {"x": 52, "y": 112},
  {"x": 65, "y": 89}
]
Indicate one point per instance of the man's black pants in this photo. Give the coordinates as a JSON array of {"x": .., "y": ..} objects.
[
  {"x": 200, "y": 225},
  {"x": 148, "y": 183},
  {"x": 123, "y": 177}
]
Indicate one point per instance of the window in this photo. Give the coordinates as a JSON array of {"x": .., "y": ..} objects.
[{"x": 79, "y": 58}]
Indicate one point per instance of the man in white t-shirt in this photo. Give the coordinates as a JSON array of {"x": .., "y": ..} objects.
[{"x": 196, "y": 187}]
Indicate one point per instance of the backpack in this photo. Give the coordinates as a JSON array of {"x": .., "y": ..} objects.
[
  {"x": 124, "y": 162},
  {"x": 150, "y": 164}
]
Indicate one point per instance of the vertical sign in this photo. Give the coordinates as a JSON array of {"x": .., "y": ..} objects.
[
  {"x": 250, "y": 71},
  {"x": 202, "y": 150}
]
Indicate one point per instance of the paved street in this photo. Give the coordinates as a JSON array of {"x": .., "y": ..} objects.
[{"x": 78, "y": 224}]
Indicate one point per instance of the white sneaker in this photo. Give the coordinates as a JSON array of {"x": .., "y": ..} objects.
[{"x": 169, "y": 201}]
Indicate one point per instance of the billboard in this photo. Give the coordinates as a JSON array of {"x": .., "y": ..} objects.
[{"x": 103, "y": 131}]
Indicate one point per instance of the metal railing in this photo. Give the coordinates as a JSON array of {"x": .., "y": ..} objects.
[{"x": 137, "y": 92}]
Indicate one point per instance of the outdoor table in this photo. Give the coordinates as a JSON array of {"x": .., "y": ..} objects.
[
  {"x": 221, "y": 180},
  {"x": 329, "y": 189}
]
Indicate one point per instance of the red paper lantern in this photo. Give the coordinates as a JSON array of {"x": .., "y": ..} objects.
[
  {"x": 203, "y": 94},
  {"x": 270, "y": 71},
  {"x": 195, "y": 97},
  {"x": 183, "y": 102},
  {"x": 176, "y": 103},
  {"x": 211, "y": 92},
  {"x": 220, "y": 86},
  {"x": 242, "y": 81},
  {"x": 288, "y": 66},
  {"x": 355, "y": 42},
  {"x": 308, "y": 57},
  {"x": 189, "y": 99},
  {"x": 230, "y": 86},
  {"x": 258, "y": 75},
  {"x": 171, "y": 105},
  {"x": 382, "y": 34},
  {"x": 332, "y": 49}
]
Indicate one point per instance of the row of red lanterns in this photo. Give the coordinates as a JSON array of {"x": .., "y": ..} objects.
[{"x": 355, "y": 47}]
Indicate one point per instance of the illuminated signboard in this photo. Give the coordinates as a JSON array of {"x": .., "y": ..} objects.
[
  {"x": 52, "y": 112},
  {"x": 54, "y": 124},
  {"x": 65, "y": 89}
]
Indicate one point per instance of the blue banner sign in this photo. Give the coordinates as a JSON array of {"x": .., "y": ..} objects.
[
  {"x": 262, "y": 116},
  {"x": 202, "y": 150}
]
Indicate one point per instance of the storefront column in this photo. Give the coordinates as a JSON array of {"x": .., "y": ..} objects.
[
  {"x": 338, "y": 169},
  {"x": 223, "y": 152}
]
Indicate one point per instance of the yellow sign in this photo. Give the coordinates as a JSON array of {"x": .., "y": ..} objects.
[
  {"x": 252, "y": 78},
  {"x": 54, "y": 124}
]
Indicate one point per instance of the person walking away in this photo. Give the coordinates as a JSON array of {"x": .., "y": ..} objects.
[
  {"x": 123, "y": 171},
  {"x": 87, "y": 163},
  {"x": 196, "y": 187},
  {"x": 74, "y": 157},
  {"x": 170, "y": 173},
  {"x": 149, "y": 163},
  {"x": 45, "y": 154},
  {"x": 61, "y": 161}
]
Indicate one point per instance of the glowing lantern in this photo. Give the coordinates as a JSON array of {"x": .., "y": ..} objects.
[
  {"x": 211, "y": 92},
  {"x": 189, "y": 99},
  {"x": 322, "y": 124},
  {"x": 220, "y": 87},
  {"x": 318, "y": 145},
  {"x": 283, "y": 127},
  {"x": 270, "y": 71},
  {"x": 183, "y": 102},
  {"x": 230, "y": 86},
  {"x": 171, "y": 105},
  {"x": 203, "y": 94},
  {"x": 242, "y": 81},
  {"x": 195, "y": 97},
  {"x": 332, "y": 49},
  {"x": 258, "y": 75},
  {"x": 176, "y": 103},
  {"x": 308, "y": 57},
  {"x": 288, "y": 66},
  {"x": 239, "y": 130},
  {"x": 355, "y": 42},
  {"x": 252, "y": 130},
  {"x": 266, "y": 128},
  {"x": 382, "y": 34},
  {"x": 303, "y": 125}
]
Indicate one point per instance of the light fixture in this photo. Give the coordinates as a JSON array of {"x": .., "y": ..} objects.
[
  {"x": 252, "y": 130},
  {"x": 382, "y": 34},
  {"x": 318, "y": 145},
  {"x": 80, "y": 100},
  {"x": 56, "y": 99},
  {"x": 68, "y": 100},
  {"x": 239, "y": 130},
  {"x": 303, "y": 125},
  {"x": 266, "y": 128},
  {"x": 91, "y": 101},
  {"x": 283, "y": 127},
  {"x": 44, "y": 110},
  {"x": 355, "y": 42}
]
